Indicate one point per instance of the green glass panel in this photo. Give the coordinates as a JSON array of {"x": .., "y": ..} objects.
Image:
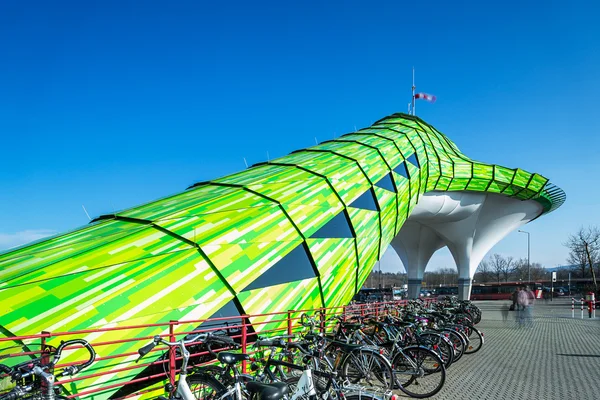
[
  {"x": 503, "y": 174},
  {"x": 483, "y": 171},
  {"x": 443, "y": 183},
  {"x": 458, "y": 184},
  {"x": 478, "y": 185},
  {"x": 521, "y": 178}
]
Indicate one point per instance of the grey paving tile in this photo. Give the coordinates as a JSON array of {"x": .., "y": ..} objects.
[{"x": 556, "y": 358}]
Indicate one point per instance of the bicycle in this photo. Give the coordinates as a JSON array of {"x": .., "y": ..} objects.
[
  {"x": 35, "y": 378},
  {"x": 188, "y": 384},
  {"x": 317, "y": 379}
]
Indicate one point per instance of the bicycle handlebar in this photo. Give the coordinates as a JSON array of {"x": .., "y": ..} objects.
[
  {"x": 73, "y": 369},
  {"x": 206, "y": 338},
  {"x": 43, "y": 371}
]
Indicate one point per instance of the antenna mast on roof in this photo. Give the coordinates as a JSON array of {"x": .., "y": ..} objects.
[
  {"x": 413, "y": 92},
  {"x": 86, "y": 213}
]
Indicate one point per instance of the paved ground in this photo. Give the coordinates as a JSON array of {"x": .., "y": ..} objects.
[{"x": 558, "y": 358}]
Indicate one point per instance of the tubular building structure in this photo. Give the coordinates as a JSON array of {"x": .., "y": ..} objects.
[{"x": 301, "y": 231}]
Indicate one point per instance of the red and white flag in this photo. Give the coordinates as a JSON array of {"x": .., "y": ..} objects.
[{"x": 429, "y": 97}]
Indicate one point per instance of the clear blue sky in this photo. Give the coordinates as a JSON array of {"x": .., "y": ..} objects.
[{"x": 112, "y": 104}]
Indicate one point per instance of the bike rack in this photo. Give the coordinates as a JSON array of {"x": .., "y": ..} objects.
[{"x": 123, "y": 361}]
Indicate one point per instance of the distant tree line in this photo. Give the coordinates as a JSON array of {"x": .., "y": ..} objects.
[
  {"x": 498, "y": 268},
  {"x": 584, "y": 258}
]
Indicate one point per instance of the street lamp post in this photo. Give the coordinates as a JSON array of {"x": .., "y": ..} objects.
[{"x": 528, "y": 254}]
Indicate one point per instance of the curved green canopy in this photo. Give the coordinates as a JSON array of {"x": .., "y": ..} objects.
[{"x": 301, "y": 231}]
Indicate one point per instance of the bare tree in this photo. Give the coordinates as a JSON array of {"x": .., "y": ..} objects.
[
  {"x": 538, "y": 272},
  {"x": 508, "y": 267},
  {"x": 584, "y": 250},
  {"x": 520, "y": 269},
  {"x": 484, "y": 272},
  {"x": 497, "y": 265}
]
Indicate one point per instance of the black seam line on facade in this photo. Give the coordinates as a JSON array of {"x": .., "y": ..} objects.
[
  {"x": 400, "y": 115},
  {"x": 280, "y": 164},
  {"x": 77, "y": 253},
  {"x": 420, "y": 167},
  {"x": 471, "y": 178},
  {"x": 427, "y": 154},
  {"x": 419, "y": 179},
  {"x": 315, "y": 269},
  {"x": 238, "y": 304},
  {"x": 409, "y": 175},
  {"x": 378, "y": 205},
  {"x": 182, "y": 239},
  {"x": 538, "y": 192},
  {"x": 523, "y": 187},
  {"x": 403, "y": 161},
  {"x": 511, "y": 182},
  {"x": 450, "y": 145},
  {"x": 533, "y": 193},
  {"x": 430, "y": 133},
  {"x": 346, "y": 157},
  {"x": 487, "y": 187},
  {"x": 326, "y": 179},
  {"x": 497, "y": 181},
  {"x": 350, "y": 220},
  {"x": 391, "y": 170},
  {"x": 197, "y": 184}
]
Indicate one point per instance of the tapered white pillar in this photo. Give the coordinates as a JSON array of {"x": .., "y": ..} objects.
[
  {"x": 415, "y": 244},
  {"x": 469, "y": 223}
]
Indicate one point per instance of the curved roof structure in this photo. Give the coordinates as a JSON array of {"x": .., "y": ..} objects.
[{"x": 301, "y": 231}]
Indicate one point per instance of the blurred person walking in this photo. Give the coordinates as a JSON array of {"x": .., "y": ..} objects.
[
  {"x": 522, "y": 302},
  {"x": 529, "y": 306}
]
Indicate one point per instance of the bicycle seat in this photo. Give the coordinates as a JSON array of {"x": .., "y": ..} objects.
[
  {"x": 346, "y": 347},
  {"x": 351, "y": 326},
  {"x": 271, "y": 391},
  {"x": 232, "y": 358}
]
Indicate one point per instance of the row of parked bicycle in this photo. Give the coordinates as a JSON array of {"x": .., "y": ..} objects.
[{"x": 350, "y": 357}]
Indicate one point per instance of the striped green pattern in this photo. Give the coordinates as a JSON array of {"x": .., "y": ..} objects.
[{"x": 185, "y": 256}]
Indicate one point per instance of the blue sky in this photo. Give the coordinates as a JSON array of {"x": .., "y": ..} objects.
[{"x": 112, "y": 104}]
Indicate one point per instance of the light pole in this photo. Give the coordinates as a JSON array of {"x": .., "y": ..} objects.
[{"x": 528, "y": 254}]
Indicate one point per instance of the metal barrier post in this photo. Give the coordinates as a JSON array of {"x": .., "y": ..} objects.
[
  {"x": 344, "y": 313},
  {"x": 45, "y": 356},
  {"x": 244, "y": 340},
  {"x": 289, "y": 322},
  {"x": 582, "y": 308},
  {"x": 172, "y": 354},
  {"x": 572, "y": 307}
]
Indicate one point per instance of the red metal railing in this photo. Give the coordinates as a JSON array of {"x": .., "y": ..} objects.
[{"x": 287, "y": 323}]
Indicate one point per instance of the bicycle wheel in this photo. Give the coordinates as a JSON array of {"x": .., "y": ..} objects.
[
  {"x": 440, "y": 345},
  {"x": 458, "y": 342},
  {"x": 362, "y": 396},
  {"x": 368, "y": 368},
  {"x": 205, "y": 387},
  {"x": 475, "y": 341},
  {"x": 419, "y": 372}
]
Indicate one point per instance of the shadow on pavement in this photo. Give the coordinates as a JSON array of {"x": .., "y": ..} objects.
[{"x": 578, "y": 355}]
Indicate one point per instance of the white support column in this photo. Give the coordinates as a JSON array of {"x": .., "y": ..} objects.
[
  {"x": 415, "y": 244},
  {"x": 469, "y": 223},
  {"x": 464, "y": 288}
]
